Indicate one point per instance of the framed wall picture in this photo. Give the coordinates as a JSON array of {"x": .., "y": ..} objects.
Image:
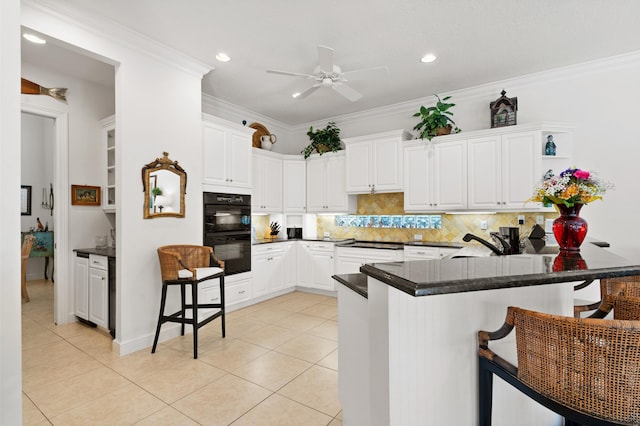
[
  {"x": 25, "y": 200},
  {"x": 82, "y": 195}
]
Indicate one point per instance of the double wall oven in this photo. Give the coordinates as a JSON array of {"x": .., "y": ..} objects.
[{"x": 227, "y": 228}]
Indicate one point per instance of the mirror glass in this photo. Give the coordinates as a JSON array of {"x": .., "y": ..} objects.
[{"x": 164, "y": 183}]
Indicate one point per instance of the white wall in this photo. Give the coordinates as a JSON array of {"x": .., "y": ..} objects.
[
  {"x": 158, "y": 108},
  {"x": 10, "y": 307}
]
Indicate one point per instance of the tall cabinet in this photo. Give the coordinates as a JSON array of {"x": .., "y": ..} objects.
[
  {"x": 226, "y": 155},
  {"x": 326, "y": 179}
]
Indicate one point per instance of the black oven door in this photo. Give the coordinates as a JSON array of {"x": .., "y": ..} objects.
[
  {"x": 234, "y": 249},
  {"x": 226, "y": 219}
]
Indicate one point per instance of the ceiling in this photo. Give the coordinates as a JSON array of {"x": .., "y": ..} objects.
[{"x": 476, "y": 42}]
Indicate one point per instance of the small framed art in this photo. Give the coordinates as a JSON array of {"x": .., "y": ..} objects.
[{"x": 82, "y": 195}]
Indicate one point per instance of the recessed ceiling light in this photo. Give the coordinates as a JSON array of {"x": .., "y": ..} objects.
[
  {"x": 34, "y": 38},
  {"x": 429, "y": 57},
  {"x": 295, "y": 95},
  {"x": 223, "y": 57}
]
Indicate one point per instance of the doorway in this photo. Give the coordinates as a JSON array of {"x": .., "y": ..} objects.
[{"x": 55, "y": 123}]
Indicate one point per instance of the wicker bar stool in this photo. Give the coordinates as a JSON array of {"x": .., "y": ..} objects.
[
  {"x": 184, "y": 265},
  {"x": 27, "y": 243},
  {"x": 586, "y": 370},
  {"x": 610, "y": 288}
]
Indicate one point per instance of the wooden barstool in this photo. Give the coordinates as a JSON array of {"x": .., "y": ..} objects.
[
  {"x": 184, "y": 265},
  {"x": 586, "y": 370}
]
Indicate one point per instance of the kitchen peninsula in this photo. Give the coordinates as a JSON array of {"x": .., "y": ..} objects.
[{"x": 407, "y": 336}]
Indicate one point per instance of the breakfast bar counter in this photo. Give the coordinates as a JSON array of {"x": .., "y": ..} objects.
[{"x": 407, "y": 339}]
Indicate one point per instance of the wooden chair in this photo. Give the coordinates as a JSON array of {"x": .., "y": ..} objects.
[
  {"x": 184, "y": 265},
  {"x": 27, "y": 244},
  {"x": 587, "y": 370},
  {"x": 610, "y": 288}
]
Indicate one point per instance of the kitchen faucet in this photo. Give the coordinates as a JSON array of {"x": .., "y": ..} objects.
[{"x": 506, "y": 247}]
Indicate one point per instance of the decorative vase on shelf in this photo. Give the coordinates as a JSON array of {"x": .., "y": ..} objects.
[{"x": 569, "y": 229}]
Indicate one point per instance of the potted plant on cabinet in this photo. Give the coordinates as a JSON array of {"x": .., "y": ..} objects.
[
  {"x": 436, "y": 120},
  {"x": 323, "y": 140}
]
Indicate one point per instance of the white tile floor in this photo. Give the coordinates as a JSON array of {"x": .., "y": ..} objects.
[{"x": 278, "y": 365}]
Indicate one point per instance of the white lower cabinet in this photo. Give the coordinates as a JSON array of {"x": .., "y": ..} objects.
[
  {"x": 237, "y": 289},
  {"x": 267, "y": 268},
  {"x": 427, "y": 252},
  {"x": 91, "y": 289},
  {"x": 316, "y": 265},
  {"x": 349, "y": 260}
]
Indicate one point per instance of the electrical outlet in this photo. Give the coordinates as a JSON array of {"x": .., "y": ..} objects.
[
  {"x": 483, "y": 225},
  {"x": 417, "y": 237},
  {"x": 540, "y": 219},
  {"x": 520, "y": 219},
  {"x": 327, "y": 234}
]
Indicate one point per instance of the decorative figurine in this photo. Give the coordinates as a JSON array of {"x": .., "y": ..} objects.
[{"x": 550, "y": 147}]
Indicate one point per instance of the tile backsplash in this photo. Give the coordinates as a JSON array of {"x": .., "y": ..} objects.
[{"x": 454, "y": 226}]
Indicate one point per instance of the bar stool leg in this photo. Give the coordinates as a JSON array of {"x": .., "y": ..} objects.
[
  {"x": 163, "y": 300},
  {"x": 485, "y": 393},
  {"x": 222, "y": 303},
  {"x": 194, "y": 301},
  {"x": 182, "y": 300}
]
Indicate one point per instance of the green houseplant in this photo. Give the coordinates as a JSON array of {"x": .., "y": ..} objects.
[
  {"x": 323, "y": 140},
  {"x": 436, "y": 120}
]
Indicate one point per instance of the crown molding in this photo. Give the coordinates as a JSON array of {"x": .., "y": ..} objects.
[{"x": 34, "y": 10}]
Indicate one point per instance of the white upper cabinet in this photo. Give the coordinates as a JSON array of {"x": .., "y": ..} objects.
[
  {"x": 505, "y": 166},
  {"x": 226, "y": 155},
  {"x": 267, "y": 182},
  {"x": 374, "y": 162},
  {"x": 109, "y": 143},
  {"x": 294, "y": 188},
  {"x": 435, "y": 176},
  {"x": 326, "y": 184}
]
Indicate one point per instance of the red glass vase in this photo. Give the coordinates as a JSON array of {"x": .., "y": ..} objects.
[{"x": 569, "y": 229}]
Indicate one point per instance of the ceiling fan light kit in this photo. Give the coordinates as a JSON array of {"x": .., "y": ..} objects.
[{"x": 329, "y": 75}]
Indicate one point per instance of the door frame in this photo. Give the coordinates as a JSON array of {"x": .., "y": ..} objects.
[{"x": 62, "y": 301}]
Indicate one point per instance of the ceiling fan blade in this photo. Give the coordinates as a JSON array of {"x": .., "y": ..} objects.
[
  {"x": 309, "y": 91},
  {"x": 364, "y": 73},
  {"x": 346, "y": 91},
  {"x": 295, "y": 74},
  {"x": 325, "y": 58}
]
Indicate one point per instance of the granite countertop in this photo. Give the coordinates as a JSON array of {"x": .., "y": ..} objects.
[
  {"x": 284, "y": 240},
  {"x": 537, "y": 266},
  {"x": 356, "y": 282},
  {"x": 109, "y": 251}
]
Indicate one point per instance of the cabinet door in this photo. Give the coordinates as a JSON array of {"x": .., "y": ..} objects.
[
  {"x": 239, "y": 157},
  {"x": 99, "y": 297},
  {"x": 485, "y": 173},
  {"x": 335, "y": 177},
  {"x": 348, "y": 264},
  {"x": 215, "y": 154},
  {"x": 289, "y": 264},
  {"x": 315, "y": 185},
  {"x": 208, "y": 292},
  {"x": 450, "y": 176},
  {"x": 359, "y": 171},
  {"x": 276, "y": 276},
  {"x": 386, "y": 165},
  {"x": 323, "y": 270},
  {"x": 521, "y": 165},
  {"x": 272, "y": 184},
  {"x": 294, "y": 192},
  {"x": 417, "y": 177},
  {"x": 81, "y": 287},
  {"x": 261, "y": 274}
]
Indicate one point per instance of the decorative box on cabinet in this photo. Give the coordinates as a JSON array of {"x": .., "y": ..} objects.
[
  {"x": 267, "y": 182},
  {"x": 374, "y": 162},
  {"x": 109, "y": 143},
  {"x": 226, "y": 155},
  {"x": 294, "y": 188},
  {"x": 435, "y": 176},
  {"x": 326, "y": 184}
]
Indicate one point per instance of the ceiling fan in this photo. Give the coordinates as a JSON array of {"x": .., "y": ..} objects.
[{"x": 328, "y": 74}]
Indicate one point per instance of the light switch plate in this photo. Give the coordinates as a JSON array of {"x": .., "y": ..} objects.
[
  {"x": 540, "y": 219},
  {"x": 483, "y": 225},
  {"x": 327, "y": 233},
  {"x": 417, "y": 237}
]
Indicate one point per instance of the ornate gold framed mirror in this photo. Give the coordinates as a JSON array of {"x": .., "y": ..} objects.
[{"x": 164, "y": 184}]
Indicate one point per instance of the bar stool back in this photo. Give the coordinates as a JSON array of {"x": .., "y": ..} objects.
[
  {"x": 184, "y": 265},
  {"x": 587, "y": 370}
]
